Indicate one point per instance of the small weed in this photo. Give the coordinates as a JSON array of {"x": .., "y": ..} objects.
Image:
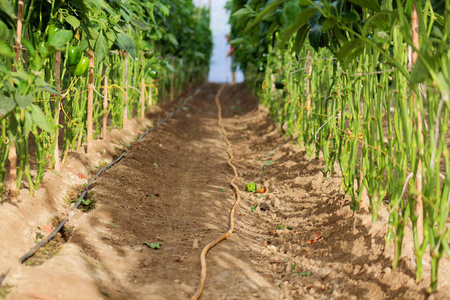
[
  {"x": 267, "y": 163},
  {"x": 105, "y": 294},
  {"x": 87, "y": 204},
  {"x": 221, "y": 190},
  {"x": 101, "y": 164},
  {"x": 254, "y": 207},
  {"x": 250, "y": 187},
  {"x": 153, "y": 245}
]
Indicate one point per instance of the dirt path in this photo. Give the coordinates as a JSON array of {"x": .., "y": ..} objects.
[{"x": 172, "y": 190}]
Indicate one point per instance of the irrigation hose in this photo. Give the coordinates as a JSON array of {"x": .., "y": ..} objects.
[
  {"x": 83, "y": 194},
  {"x": 208, "y": 247}
]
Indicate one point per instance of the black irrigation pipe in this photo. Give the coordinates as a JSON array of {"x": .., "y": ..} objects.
[{"x": 83, "y": 194}]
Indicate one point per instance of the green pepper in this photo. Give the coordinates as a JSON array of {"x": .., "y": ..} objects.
[
  {"x": 74, "y": 55},
  {"x": 81, "y": 67},
  {"x": 52, "y": 30},
  {"x": 152, "y": 73}
]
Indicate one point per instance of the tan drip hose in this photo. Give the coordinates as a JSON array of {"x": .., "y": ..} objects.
[{"x": 208, "y": 247}]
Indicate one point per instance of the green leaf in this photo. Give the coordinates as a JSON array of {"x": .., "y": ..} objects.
[
  {"x": 445, "y": 82},
  {"x": 41, "y": 84},
  {"x": 7, "y": 104},
  {"x": 139, "y": 24},
  {"x": 111, "y": 37},
  {"x": 74, "y": 22},
  {"x": 92, "y": 34},
  {"x": 244, "y": 13},
  {"x": 164, "y": 9},
  {"x": 153, "y": 245},
  {"x": 125, "y": 42},
  {"x": 115, "y": 19},
  {"x": 60, "y": 38},
  {"x": 13, "y": 127},
  {"x": 419, "y": 72},
  {"x": 39, "y": 118},
  {"x": 315, "y": 36},
  {"x": 6, "y": 50},
  {"x": 169, "y": 67},
  {"x": 221, "y": 190},
  {"x": 172, "y": 39},
  {"x": 381, "y": 20},
  {"x": 300, "y": 38},
  {"x": 370, "y": 4},
  {"x": 272, "y": 6},
  {"x": 101, "y": 48},
  {"x": 98, "y": 3},
  {"x": 254, "y": 207},
  {"x": 23, "y": 100},
  {"x": 350, "y": 16},
  {"x": 237, "y": 41},
  {"x": 302, "y": 19},
  {"x": 29, "y": 47},
  {"x": 86, "y": 202},
  {"x": 4, "y": 31},
  {"x": 290, "y": 11},
  {"x": 329, "y": 23},
  {"x": 348, "y": 47},
  {"x": 27, "y": 124},
  {"x": 7, "y": 8}
]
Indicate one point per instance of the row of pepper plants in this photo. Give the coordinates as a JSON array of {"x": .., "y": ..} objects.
[
  {"x": 366, "y": 85},
  {"x": 72, "y": 70}
]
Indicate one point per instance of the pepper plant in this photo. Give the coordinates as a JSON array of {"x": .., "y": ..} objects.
[{"x": 366, "y": 84}]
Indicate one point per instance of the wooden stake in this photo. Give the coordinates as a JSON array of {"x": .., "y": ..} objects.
[
  {"x": 125, "y": 100},
  {"x": 12, "y": 155},
  {"x": 308, "y": 83},
  {"x": 143, "y": 98},
  {"x": 90, "y": 102},
  {"x": 150, "y": 97},
  {"x": 57, "y": 166},
  {"x": 414, "y": 56},
  {"x": 172, "y": 78},
  {"x": 105, "y": 105},
  {"x": 19, "y": 32}
]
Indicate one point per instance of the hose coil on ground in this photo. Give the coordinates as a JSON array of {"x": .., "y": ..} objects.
[{"x": 208, "y": 247}]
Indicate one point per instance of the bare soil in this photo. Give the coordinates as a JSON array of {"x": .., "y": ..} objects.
[{"x": 170, "y": 196}]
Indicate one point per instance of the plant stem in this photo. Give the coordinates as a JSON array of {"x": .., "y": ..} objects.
[{"x": 90, "y": 102}]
